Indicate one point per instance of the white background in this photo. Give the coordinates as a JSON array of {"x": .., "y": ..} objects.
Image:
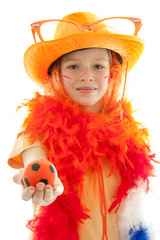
[{"x": 15, "y": 85}]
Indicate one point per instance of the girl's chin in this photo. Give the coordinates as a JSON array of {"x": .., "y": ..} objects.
[{"x": 94, "y": 107}]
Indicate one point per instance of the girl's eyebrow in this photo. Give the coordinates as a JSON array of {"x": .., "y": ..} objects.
[
  {"x": 70, "y": 59},
  {"x": 101, "y": 59},
  {"x": 75, "y": 59}
]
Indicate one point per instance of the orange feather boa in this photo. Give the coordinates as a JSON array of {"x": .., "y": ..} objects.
[{"x": 77, "y": 141}]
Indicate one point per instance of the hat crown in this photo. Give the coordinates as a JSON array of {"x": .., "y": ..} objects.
[
  {"x": 82, "y": 17},
  {"x": 64, "y": 29}
]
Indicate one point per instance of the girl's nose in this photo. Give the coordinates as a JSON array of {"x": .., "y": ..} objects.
[{"x": 87, "y": 75}]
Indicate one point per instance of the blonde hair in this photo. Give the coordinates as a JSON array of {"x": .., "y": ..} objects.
[{"x": 114, "y": 83}]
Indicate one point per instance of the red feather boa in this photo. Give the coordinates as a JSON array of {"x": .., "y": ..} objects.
[{"x": 78, "y": 141}]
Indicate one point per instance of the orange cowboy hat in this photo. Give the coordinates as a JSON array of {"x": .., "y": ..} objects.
[{"x": 79, "y": 31}]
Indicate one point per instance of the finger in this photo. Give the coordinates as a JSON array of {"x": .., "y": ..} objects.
[
  {"x": 58, "y": 187},
  {"x": 17, "y": 178},
  {"x": 38, "y": 194},
  {"x": 28, "y": 193},
  {"x": 48, "y": 194}
]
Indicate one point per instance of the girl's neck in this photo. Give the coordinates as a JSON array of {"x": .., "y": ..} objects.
[{"x": 96, "y": 108}]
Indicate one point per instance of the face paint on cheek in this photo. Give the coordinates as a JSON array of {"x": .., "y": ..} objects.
[
  {"x": 66, "y": 78},
  {"x": 106, "y": 77}
]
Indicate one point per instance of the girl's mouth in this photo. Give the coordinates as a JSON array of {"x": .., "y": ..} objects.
[{"x": 86, "y": 89}]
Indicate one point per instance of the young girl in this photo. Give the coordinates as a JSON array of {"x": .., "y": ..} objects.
[{"x": 85, "y": 127}]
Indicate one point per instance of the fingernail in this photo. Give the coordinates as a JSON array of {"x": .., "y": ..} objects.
[
  {"x": 31, "y": 191},
  {"x": 48, "y": 190},
  {"x": 40, "y": 187}
]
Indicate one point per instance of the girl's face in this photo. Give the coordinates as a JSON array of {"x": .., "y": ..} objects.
[{"x": 85, "y": 76}]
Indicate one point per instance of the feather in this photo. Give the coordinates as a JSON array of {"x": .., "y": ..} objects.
[
  {"x": 141, "y": 234},
  {"x": 59, "y": 222},
  {"x": 78, "y": 141},
  {"x": 139, "y": 212}
]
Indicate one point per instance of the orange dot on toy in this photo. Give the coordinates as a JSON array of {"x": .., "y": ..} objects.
[{"x": 39, "y": 171}]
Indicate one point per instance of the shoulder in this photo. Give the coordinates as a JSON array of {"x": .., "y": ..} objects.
[{"x": 40, "y": 102}]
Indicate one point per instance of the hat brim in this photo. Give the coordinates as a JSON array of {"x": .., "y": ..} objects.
[{"x": 38, "y": 57}]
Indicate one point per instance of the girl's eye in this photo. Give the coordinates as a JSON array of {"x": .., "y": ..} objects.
[
  {"x": 74, "y": 66},
  {"x": 98, "y": 66}
]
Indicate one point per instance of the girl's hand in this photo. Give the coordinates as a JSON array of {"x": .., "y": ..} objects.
[{"x": 41, "y": 194}]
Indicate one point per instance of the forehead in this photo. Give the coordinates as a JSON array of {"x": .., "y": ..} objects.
[{"x": 96, "y": 53}]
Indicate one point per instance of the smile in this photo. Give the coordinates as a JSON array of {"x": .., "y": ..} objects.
[{"x": 86, "y": 89}]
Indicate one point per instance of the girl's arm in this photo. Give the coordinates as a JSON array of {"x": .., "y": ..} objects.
[
  {"x": 32, "y": 154},
  {"x": 42, "y": 194}
]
